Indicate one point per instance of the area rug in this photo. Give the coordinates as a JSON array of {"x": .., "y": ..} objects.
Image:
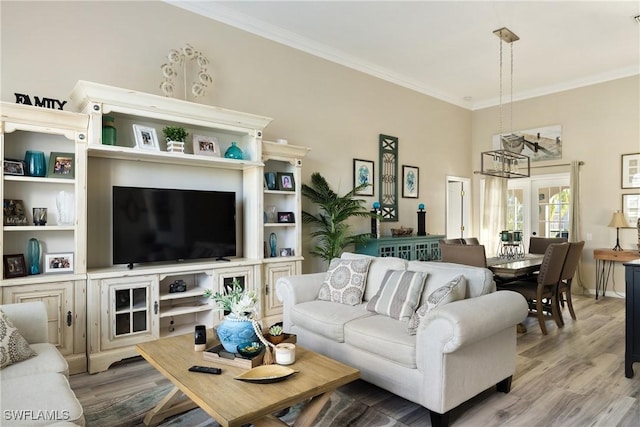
[{"x": 129, "y": 411}]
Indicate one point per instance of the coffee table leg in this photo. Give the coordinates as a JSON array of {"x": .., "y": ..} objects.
[
  {"x": 307, "y": 416},
  {"x": 175, "y": 402}
]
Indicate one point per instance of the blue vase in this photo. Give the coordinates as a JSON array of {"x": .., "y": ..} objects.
[
  {"x": 233, "y": 152},
  {"x": 35, "y": 163},
  {"x": 233, "y": 331},
  {"x": 273, "y": 243},
  {"x": 33, "y": 256}
]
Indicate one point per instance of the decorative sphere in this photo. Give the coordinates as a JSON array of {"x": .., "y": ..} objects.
[
  {"x": 421, "y": 206},
  {"x": 376, "y": 205}
]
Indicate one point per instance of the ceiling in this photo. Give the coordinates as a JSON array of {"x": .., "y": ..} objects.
[{"x": 447, "y": 49}]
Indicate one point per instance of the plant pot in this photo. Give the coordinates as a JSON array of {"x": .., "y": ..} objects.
[
  {"x": 234, "y": 331},
  {"x": 275, "y": 339}
]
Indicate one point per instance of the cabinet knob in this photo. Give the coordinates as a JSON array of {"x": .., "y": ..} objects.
[
  {"x": 155, "y": 307},
  {"x": 69, "y": 318}
]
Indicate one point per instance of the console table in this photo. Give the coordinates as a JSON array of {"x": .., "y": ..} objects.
[
  {"x": 632, "y": 328},
  {"x": 605, "y": 259},
  {"x": 421, "y": 248}
]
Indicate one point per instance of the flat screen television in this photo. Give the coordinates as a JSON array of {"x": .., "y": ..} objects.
[{"x": 161, "y": 224}]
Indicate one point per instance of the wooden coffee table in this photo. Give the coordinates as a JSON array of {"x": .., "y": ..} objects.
[{"x": 232, "y": 402}]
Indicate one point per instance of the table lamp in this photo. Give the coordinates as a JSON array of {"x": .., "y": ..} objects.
[{"x": 618, "y": 221}]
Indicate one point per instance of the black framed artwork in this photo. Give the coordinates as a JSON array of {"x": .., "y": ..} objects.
[{"x": 363, "y": 173}]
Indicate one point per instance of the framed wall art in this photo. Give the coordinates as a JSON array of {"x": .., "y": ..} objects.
[
  {"x": 58, "y": 263},
  {"x": 146, "y": 138},
  {"x": 410, "y": 182},
  {"x": 363, "y": 173},
  {"x": 206, "y": 146},
  {"x": 631, "y": 208},
  {"x": 14, "y": 212},
  {"x": 630, "y": 170},
  {"x": 62, "y": 165},
  {"x": 14, "y": 266}
]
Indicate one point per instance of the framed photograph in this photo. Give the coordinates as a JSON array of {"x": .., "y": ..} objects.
[
  {"x": 631, "y": 170},
  {"x": 62, "y": 165},
  {"x": 363, "y": 174},
  {"x": 146, "y": 138},
  {"x": 631, "y": 208},
  {"x": 270, "y": 178},
  {"x": 410, "y": 182},
  {"x": 58, "y": 263},
  {"x": 14, "y": 212},
  {"x": 13, "y": 167},
  {"x": 286, "y": 251},
  {"x": 14, "y": 266},
  {"x": 206, "y": 146},
  {"x": 286, "y": 182},
  {"x": 286, "y": 217}
]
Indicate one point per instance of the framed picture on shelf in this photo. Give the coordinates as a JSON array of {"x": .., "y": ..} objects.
[
  {"x": 286, "y": 217},
  {"x": 13, "y": 167},
  {"x": 630, "y": 171},
  {"x": 631, "y": 208},
  {"x": 146, "y": 138},
  {"x": 206, "y": 146},
  {"x": 14, "y": 266},
  {"x": 58, "y": 262},
  {"x": 286, "y": 251},
  {"x": 270, "y": 178},
  {"x": 363, "y": 174},
  {"x": 410, "y": 182},
  {"x": 286, "y": 182},
  {"x": 62, "y": 165},
  {"x": 14, "y": 212}
]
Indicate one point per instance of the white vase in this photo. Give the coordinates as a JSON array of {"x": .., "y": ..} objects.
[{"x": 65, "y": 204}]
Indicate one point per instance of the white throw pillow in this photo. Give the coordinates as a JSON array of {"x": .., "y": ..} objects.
[
  {"x": 345, "y": 281},
  {"x": 452, "y": 291},
  {"x": 399, "y": 294},
  {"x": 13, "y": 347}
]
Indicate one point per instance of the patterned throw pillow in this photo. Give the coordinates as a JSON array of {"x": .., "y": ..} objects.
[
  {"x": 13, "y": 347},
  {"x": 399, "y": 294},
  {"x": 345, "y": 281},
  {"x": 452, "y": 291}
]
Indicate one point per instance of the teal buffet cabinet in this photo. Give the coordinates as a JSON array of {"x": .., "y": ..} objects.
[{"x": 421, "y": 248}]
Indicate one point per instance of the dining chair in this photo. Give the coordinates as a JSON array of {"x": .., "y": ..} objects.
[
  {"x": 542, "y": 292},
  {"x": 452, "y": 241},
  {"x": 474, "y": 255},
  {"x": 471, "y": 241},
  {"x": 538, "y": 245},
  {"x": 566, "y": 276}
]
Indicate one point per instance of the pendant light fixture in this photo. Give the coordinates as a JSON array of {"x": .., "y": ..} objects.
[{"x": 508, "y": 161}]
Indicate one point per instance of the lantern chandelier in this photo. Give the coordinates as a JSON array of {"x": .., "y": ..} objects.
[{"x": 508, "y": 161}]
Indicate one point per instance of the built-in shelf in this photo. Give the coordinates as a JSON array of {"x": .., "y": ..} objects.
[
  {"x": 39, "y": 180},
  {"x": 38, "y": 228},
  {"x": 279, "y": 224},
  {"x": 196, "y": 292},
  {"x": 181, "y": 309}
]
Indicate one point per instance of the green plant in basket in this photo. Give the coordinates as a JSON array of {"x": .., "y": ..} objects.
[
  {"x": 235, "y": 300},
  {"x": 175, "y": 133}
]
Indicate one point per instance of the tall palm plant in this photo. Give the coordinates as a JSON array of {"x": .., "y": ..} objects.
[{"x": 331, "y": 228}]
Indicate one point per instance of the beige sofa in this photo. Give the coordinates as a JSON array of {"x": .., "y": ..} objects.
[
  {"x": 460, "y": 349},
  {"x": 36, "y": 391}
]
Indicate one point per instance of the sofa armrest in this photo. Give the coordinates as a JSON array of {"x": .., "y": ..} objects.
[
  {"x": 463, "y": 322},
  {"x": 30, "y": 318},
  {"x": 294, "y": 290}
]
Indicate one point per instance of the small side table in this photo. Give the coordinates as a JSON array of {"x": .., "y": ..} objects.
[{"x": 605, "y": 259}]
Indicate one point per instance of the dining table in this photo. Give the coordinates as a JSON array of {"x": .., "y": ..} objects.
[{"x": 514, "y": 268}]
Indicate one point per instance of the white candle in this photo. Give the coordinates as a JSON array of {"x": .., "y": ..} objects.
[{"x": 285, "y": 354}]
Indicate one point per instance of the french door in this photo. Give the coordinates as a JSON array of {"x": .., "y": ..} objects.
[{"x": 540, "y": 205}]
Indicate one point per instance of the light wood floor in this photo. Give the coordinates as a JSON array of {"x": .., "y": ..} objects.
[{"x": 574, "y": 376}]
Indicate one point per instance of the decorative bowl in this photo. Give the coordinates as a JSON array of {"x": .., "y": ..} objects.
[
  {"x": 402, "y": 231},
  {"x": 250, "y": 349}
]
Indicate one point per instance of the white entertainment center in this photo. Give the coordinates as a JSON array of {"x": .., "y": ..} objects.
[{"x": 127, "y": 306}]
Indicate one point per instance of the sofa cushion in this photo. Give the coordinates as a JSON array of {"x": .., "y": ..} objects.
[
  {"x": 378, "y": 268},
  {"x": 384, "y": 337},
  {"x": 326, "y": 318},
  {"x": 345, "y": 281},
  {"x": 48, "y": 360},
  {"x": 399, "y": 294},
  {"x": 452, "y": 291},
  {"x": 41, "y": 400},
  {"x": 479, "y": 280},
  {"x": 13, "y": 347}
]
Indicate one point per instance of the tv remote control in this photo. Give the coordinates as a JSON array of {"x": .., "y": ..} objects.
[{"x": 205, "y": 370}]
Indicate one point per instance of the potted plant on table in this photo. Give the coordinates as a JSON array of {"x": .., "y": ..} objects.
[
  {"x": 276, "y": 334},
  {"x": 239, "y": 305}
]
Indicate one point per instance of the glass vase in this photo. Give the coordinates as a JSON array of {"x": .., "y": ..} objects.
[
  {"x": 35, "y": 163},
  {"x": 273, "y": 243},
  {"x": 33, "y": 256},
  {"x": 233, "y": 152},
  {"x": 65, "y": 205}
]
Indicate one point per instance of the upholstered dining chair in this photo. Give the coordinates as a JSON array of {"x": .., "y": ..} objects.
[
  {"x": 538, "y": 245},
  {"x": 474, "y": 255},
  {"x": 542, "y": 292},
  {"x": 566, "y": 276},
  {"x": 451, "y": 242},
  {"x": 471, "y": 241}
]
